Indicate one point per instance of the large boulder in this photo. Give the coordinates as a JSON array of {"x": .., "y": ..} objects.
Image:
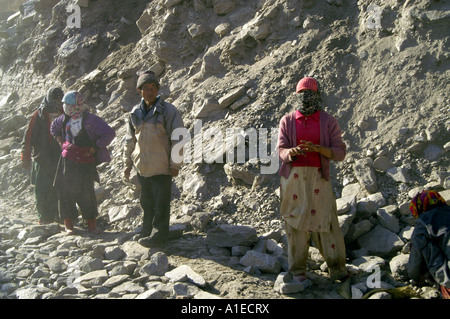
[
  {"x": 365, "y": 174},
  {"x": 231, "y": 235},
  {"x": 381, "y": 242},
  {"x": 264, "y": 262}
]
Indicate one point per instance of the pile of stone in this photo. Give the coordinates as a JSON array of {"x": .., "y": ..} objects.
[
  {"x": 41, "y": 262},
  {"x": 378, "y": 235}
]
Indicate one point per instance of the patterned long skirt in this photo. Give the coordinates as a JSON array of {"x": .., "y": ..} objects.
[{"x": 308, "y": 207}]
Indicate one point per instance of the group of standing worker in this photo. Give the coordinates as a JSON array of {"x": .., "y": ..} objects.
[{"x": 68, "y": 142}]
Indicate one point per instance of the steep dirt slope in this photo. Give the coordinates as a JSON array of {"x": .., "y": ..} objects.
[{"x": 383, "y": 67}]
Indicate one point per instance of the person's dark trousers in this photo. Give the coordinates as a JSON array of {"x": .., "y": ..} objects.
[
  {"x": 156, "y": 194},
  {"x": 45, "y": 193},
  {"x": 77, "y": 187}
]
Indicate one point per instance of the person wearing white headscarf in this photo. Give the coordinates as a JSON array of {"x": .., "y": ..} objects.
[{"x": 83, "y": 138}]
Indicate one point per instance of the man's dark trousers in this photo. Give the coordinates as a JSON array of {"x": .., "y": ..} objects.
[{"x": 156, "y": 194}]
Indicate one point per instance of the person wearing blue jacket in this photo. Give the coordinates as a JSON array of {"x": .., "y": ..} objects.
[{"x": 430, "y": 241}]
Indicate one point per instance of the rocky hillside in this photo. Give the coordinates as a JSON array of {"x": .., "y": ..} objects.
[{"x": 230, "y": 64}]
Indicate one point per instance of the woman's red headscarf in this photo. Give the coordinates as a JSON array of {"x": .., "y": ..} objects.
[{"x": 425, "y": 201}]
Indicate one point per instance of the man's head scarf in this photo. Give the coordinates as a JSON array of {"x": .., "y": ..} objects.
[
  {"x": 52, "y": 100},
  {"x": 424, "y": 202},
  {"x": 74, "y": 105}
]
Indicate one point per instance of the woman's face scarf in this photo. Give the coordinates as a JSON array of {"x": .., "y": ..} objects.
[
  {"x": 425, "y": 201},
  {"x": 309, "y": 102},
  {"x": 75, "y": 111}
]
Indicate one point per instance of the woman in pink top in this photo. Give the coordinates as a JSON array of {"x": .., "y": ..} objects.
[{"x": 308, "y": 139}]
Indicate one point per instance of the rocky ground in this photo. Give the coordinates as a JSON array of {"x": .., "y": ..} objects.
[{"x": 383, "y": 67}]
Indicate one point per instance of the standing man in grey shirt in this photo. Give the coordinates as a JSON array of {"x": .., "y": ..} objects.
[{"x": 148, "y": 147}]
